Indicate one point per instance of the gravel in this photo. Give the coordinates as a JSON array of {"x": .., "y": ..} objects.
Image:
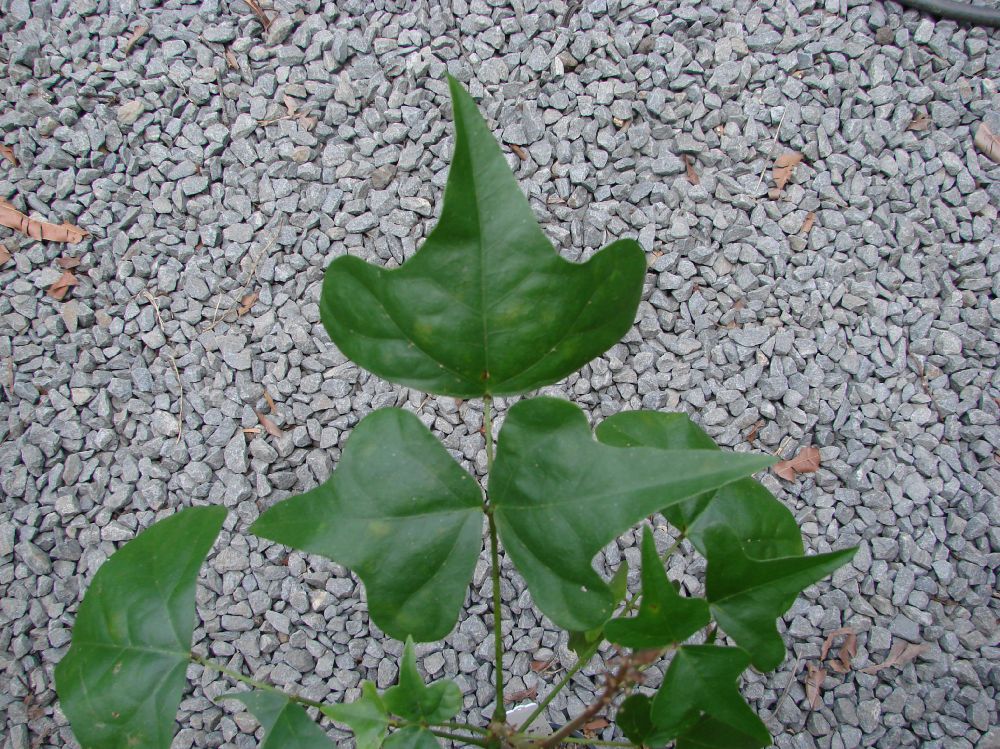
[{"x": 211, "y": 160}]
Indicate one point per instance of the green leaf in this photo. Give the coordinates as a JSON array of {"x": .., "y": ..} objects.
[
  {"x": 486, "y": 306},
  {"x": 412, "y": 700},
  {"x": 702, "y": 680},
  {"x": 709, "y": 733},
  {"x": 559, "y": 496},
  {"x": 664, "y": 617},
  {"x": 286, "y": 725},
  {"x": 121, "y": 681},
  {"x": 765, "y": 527},
  {"x": 367, "y": 717},
  {"x": 400, "y": 513},
  {"x": 411, "y": 737},
  {"x": 747, "y": 595},
  {"x": 582, "y": 642},
  {"x": 633, "y": 718}
]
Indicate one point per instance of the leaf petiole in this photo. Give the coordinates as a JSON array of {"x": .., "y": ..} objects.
[
  {"x": 499, "y": 713},
  {"x": 582, "y": 661},
  {"x": 237, "y": 676}
]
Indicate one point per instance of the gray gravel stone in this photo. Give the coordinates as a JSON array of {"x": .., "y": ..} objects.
[{"x": 871, "y": 336}]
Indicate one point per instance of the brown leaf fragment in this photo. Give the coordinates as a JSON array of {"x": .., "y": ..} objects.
[
  {"x": 258, "y": 11},
  {"x": 595, "y": 725},
  {"x": 901, "y": 654},
  {"x": 269, "y": 426},
  {"x": 4, "y": 254},
  {"x": 247, "y": 303},
  {"x": 61, "y": 287},
  {"x": 137, "y": 33},
  {"x": 67, "y": 263},
  {"x": 752, "y": 434},
  {"x": 270, "y": 402},
  {"x": 919, "y": 122},
  {"x": 43, "y": 230},
  {"x": 520, "y": 152},
  {"x": 845, "y": 654},
  {"x": 539, "y": 666},
  {"x": 231, "y": 60},
  {"x": 252, "y": 431},
  {"x": 988, "y": 142},
  {"x": 784, "y": 167},
  {"x": 805, "y": 461},
  {"x": 807, "y": 225},
  {"x": 692, "y": 175},
  {"x": 8, "y": 153},
  {"x": 815, "y": 676},
  {"x": 524, "y": 694}
]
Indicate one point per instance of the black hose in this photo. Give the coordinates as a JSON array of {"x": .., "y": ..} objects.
[{"x": 978, "y": 15}]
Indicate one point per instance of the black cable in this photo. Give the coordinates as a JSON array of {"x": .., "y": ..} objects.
[{"x": 978, "y": 15}]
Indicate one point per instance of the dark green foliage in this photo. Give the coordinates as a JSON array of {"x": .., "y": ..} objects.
[
  {"x": 121, "y": 682},
  {"x": 485, "y": 307}
]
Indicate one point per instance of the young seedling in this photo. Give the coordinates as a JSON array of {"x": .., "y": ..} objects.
[{"x": 485, "y": 308}]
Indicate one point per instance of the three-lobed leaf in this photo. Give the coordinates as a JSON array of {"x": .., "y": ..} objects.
[
  {"x": 413, "y": 700},
  {"x": 286, "y": 725},
  {"x": 402, "y": 514},
  {"x": 486, "y": 306},
  {"x": 367, "y": 717},
  {"x": 700, "y": 682},
  {"x": 747, "y": 595},
  {"x": 121, "y": 681},
  {"x": 665, "y": 617},
  {"x": 559, "y": 496},
  {"x": 765, "y": 527}
]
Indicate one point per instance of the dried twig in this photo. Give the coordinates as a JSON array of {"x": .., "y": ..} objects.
[
  {"x": 629, "y": 672},
  {"x": 251, "y": 274},
  {"x": 173, "y": 362},
  {"x": 777, "y": 132},
  {"x": 258, "y": 11}
]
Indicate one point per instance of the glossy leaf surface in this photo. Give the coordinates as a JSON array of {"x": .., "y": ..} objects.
[
  {"x": 413, "y": 700},
  {"x": 286, "y": 724},
  {"x": 665, "y": 616},
  {"x": 747, "y": 595},
  {"x": 559, "y": 496},
  {"x": 702, "y": 681},
  {"x": 121, "y": 681},
  {"x": 367, "y": 717},
  {"x": 765, "y": 527},
  {"x": 486, "y": 306},
  {"x": 400, "y": 513}
]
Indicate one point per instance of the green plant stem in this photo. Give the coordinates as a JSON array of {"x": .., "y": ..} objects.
[
  {"x": 582, "y": 661},
  {"x": 455, "y": 737},
  {"x": 237, "y": 676},
  {"x": 499, "y": 712},
  {"x": 399, "y": 723},
  {"x": 488, "y": 431}
]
